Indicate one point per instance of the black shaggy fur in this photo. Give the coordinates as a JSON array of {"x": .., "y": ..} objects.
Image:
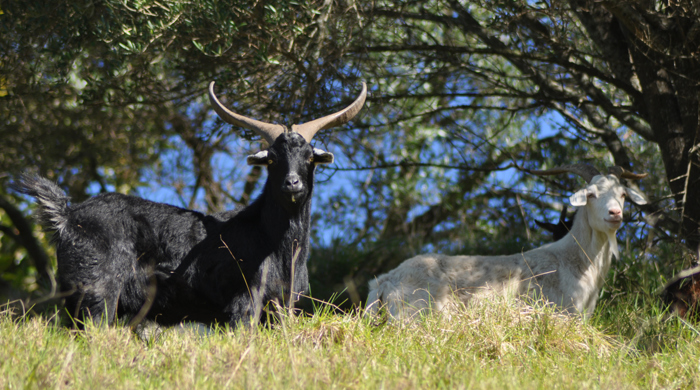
[
  {"x": 682, "y": 294},
  {"x": 124, "y": 256}
]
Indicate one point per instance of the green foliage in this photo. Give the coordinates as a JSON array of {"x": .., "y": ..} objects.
[{"x": 464, "y": 99}]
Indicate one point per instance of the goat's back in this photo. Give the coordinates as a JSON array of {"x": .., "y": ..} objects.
[
  {"x": 438, "y": 281},
  {"x": 115, "y": 222},
  {"x": 110, "y": 246}
]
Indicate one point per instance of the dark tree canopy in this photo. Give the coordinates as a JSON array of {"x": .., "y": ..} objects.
[{"x": 465, "y": 99}]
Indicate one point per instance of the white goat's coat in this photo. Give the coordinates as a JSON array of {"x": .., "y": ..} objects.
[{"x": 568, "y": 273}]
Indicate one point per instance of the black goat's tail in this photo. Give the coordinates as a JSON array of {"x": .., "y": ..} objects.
[{"x": 53, "y": 201}]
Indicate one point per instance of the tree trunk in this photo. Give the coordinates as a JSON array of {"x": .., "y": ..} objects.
[{"x": 25, "y": 237}]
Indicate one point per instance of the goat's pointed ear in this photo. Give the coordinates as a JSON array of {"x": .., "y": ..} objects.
[
  {"x": 635, "y": 196},
  {"x": 322, "y": 157},
  {"x": 579, "y": 198},
  {"x": 259, "y": 158}
]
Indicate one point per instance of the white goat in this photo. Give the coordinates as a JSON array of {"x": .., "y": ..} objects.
[{"x": 568, "y": 273}]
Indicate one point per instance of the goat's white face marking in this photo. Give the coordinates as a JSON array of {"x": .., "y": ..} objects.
[{"x": 605, "y": 197}]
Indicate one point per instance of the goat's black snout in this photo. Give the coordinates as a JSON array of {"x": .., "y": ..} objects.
[{"x": 292, "y": 183}]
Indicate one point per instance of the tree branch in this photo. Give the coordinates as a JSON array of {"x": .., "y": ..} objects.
[{"x": 25, "y": 237}]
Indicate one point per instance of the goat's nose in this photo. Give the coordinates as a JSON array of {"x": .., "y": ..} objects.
[
  {"x": 292, "y": 183},
  {"x": 615, "y": 212}
]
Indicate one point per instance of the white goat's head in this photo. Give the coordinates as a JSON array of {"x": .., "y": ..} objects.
[{"x": 604, "y": 195}]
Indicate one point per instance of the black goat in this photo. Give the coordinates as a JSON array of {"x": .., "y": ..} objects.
[
  {"x": 124, "y": 256},
  {"x": 682, "y": 293}
]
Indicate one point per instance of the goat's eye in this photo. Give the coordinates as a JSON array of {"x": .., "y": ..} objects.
[
  {"x": 270, "y": 162},
  {"x": 623, "y": 195},
  {"x": 591, "y": 195},
  {"x": 311, "y": 159}
]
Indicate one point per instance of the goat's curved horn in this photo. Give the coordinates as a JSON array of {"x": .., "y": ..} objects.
[
  {"x": 621, "y": 173},
  {"x": 309, "y": 129},
  {"x": 586, "y": 171},
  {"x": 268, "y": 131}
]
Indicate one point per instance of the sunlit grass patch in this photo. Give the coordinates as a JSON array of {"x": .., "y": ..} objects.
[
  {"x": 499, "y": 327},
  {"x": 499, "y": 345}
]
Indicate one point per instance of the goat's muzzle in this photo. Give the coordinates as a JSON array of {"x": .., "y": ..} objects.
[{"x": 293, "y": 185}]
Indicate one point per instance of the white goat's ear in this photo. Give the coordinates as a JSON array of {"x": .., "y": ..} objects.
[
  {"x": 579, "y": 198},
  {"x": 635, "y": 196},
  {"x": 322, "y": 157},
  {"x": 259, "y": 158}
]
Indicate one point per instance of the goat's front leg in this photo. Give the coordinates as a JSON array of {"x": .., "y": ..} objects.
[{"x": 245, "y": 309}]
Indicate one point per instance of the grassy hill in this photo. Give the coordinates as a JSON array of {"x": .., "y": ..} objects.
[{"x": 630, "y": 343}]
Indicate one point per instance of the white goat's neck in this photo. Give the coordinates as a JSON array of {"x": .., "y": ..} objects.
[{"x": 595, "y": 248}]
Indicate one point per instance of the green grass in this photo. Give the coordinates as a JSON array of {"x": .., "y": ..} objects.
[{"x": 631, "y": 344}]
